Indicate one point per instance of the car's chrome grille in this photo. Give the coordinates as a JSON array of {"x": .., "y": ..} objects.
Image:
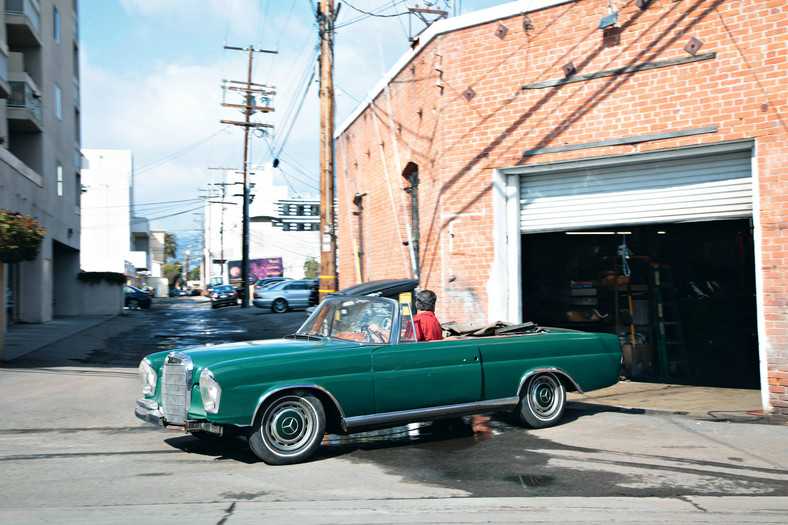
[{"x": 176, "y": 384}]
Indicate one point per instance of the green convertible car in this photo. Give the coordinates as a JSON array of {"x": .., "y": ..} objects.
[{"x": 354, "y": 365}]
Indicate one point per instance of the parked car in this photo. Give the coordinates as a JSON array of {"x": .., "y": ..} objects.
[
  {"x": 269, "y": 281},
  {"x": 284, "y": 296},
  {"x": 175, "y": 292},
  {"x": 223, "y": 295},
  {"x": 354, "y": 365},
  {"x": 134, "y": 298}
]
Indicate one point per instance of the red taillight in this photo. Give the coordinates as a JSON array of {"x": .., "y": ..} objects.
[{"x": 214, "y": 296}]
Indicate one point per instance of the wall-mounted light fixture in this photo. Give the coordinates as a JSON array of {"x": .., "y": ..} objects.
[
  {"x": 610, "y": 19},
  {"x": 607, "y": 21},
  {"x": 527, "y": 24},
  {"x": 569, "y": 69},
  {"x": 501, "y": 31},
  {"x": 693, "y": 45}
]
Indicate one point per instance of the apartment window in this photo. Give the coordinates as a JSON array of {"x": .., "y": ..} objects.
[
  {"x": 56, "y": 21},
  {"x": 58, "y": 102},
  {"x": 59, "y": 180}
]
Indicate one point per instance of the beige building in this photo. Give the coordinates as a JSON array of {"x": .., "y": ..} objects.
[{"x": 40, "y": 150}]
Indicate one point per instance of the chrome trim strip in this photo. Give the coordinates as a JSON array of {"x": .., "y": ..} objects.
[
  {"x": 429, "y": 413},
  {"x": 148, "y": 404},
  {"x": 292, "y": 387},
  {"x": 558, "y": 371}
]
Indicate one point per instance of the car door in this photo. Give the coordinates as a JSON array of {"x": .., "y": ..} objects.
[
  {"x": 419, "y": 375},
  {"x": 298, "y": 294}
]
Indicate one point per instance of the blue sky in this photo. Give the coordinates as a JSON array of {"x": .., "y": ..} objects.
[{"x": 151, "y": 82}]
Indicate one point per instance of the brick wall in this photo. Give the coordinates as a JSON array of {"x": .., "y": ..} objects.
[{"x": 423, "y": 118}]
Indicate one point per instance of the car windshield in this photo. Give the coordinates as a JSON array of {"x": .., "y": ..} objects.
[
  {"x": 361, "y": 319},
  {"x": 223, "y": 289}
]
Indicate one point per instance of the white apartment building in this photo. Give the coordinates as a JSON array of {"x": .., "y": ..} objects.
[
  {"x": 40, "y": 150},
  {"x": 106, "y": 210},
  {"x": 113, "y": 238}
]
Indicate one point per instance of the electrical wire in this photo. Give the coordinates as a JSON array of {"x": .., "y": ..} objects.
[{"x": 368, "y": 13}]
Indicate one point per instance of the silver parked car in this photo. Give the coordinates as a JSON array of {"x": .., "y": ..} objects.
[{"x": 284, "y": 296}]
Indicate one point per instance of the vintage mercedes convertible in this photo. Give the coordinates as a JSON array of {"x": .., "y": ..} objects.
[{"x": 355, "y": 365}]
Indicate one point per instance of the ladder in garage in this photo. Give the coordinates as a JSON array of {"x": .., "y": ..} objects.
[{"x": 671, "y": 345}]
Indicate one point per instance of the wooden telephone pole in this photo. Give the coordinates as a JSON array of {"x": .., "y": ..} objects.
[
  {"x": 328, "y": 244},
  {"x": 250, "y": 89}
]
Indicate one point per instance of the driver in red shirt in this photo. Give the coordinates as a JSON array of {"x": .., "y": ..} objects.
[{"x": 427, "y": 326}]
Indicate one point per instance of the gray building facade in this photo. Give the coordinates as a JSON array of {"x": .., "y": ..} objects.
[{"x": 40, "y": 150}]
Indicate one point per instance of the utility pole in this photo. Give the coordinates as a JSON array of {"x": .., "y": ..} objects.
[
  {"x": 250, "y": 89},
  {"x": 328, "y": 241}
]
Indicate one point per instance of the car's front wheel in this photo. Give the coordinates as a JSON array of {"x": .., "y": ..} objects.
[
  {"x": 542, "y": 402},
  {"x": 133, "y": 304},
  {"x": 279, "y": 306},
  {"x": 289, "y": 429}
]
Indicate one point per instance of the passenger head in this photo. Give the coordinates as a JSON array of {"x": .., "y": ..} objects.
[{"x": 425, "y": 301}]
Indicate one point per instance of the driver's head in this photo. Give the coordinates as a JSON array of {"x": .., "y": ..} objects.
[{"x": 425, "y": 301}]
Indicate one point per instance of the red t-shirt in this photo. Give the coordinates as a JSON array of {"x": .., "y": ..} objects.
[{"x": 427, "y": 327}]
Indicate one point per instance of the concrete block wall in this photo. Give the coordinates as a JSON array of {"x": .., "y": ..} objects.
[{"x": 738, "y": 90}]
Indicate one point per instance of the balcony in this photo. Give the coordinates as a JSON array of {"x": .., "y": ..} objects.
[
  {"x": 23, "y": 23},
  {"x": 24, "y": 106}
]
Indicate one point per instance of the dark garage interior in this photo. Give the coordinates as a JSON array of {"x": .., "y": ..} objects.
[{"x": 681, "y": 296}]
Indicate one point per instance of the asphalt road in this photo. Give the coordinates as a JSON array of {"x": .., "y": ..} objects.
[{"x": 71, "y": 450}]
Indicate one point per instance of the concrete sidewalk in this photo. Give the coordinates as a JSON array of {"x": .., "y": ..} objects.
[
  {"x": 23, "y": 338},
  {"x": 722, "y": 404},
  {"x": 701, "y": 402}
]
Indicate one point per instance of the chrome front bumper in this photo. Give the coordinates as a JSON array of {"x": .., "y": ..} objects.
[{"x": 148, "y": 411}]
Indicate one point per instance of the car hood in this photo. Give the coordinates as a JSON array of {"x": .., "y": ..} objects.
[{"x": 206, "y": 356}]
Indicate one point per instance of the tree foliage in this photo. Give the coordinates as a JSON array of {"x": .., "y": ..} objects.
[
  {"x": 311, "y": 268},
  {"x": 173, "y": 273},
  {"x": 170, "y": 246},
  {"x": 20, "y": 237}
]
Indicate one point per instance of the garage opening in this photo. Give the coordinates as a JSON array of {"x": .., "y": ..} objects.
[
  {"x": 681, "y": 297},
  {"x": 657, "y": 248}
]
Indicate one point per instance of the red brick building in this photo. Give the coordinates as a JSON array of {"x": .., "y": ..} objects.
[{"x": 514, "y": 157}]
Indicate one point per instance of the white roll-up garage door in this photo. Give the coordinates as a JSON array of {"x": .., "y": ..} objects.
[{"x": 686, "y": 185}]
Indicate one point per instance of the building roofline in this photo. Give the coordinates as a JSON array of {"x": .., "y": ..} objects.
[{"x": 441, "y": 27}]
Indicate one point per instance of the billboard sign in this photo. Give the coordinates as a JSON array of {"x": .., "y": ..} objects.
[{"x": 258, "y": 269}]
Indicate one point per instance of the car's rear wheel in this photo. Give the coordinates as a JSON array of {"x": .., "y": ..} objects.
[
  {"x": 289, "y": 429},
  {"x": 542, "y": 402},
  {"x": 279, "y": 306},
  {"x": 133, "y": 304}
]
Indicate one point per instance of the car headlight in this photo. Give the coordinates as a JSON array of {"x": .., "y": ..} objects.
[
  {"x": 148, "y": 378},
  {"x": 211, "y": 391}
]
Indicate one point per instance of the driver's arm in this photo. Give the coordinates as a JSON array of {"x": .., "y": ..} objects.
[{"x": 378, "y": 332}]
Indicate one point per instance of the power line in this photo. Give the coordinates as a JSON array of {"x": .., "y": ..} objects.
[{"x": 351, "y": 6}]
